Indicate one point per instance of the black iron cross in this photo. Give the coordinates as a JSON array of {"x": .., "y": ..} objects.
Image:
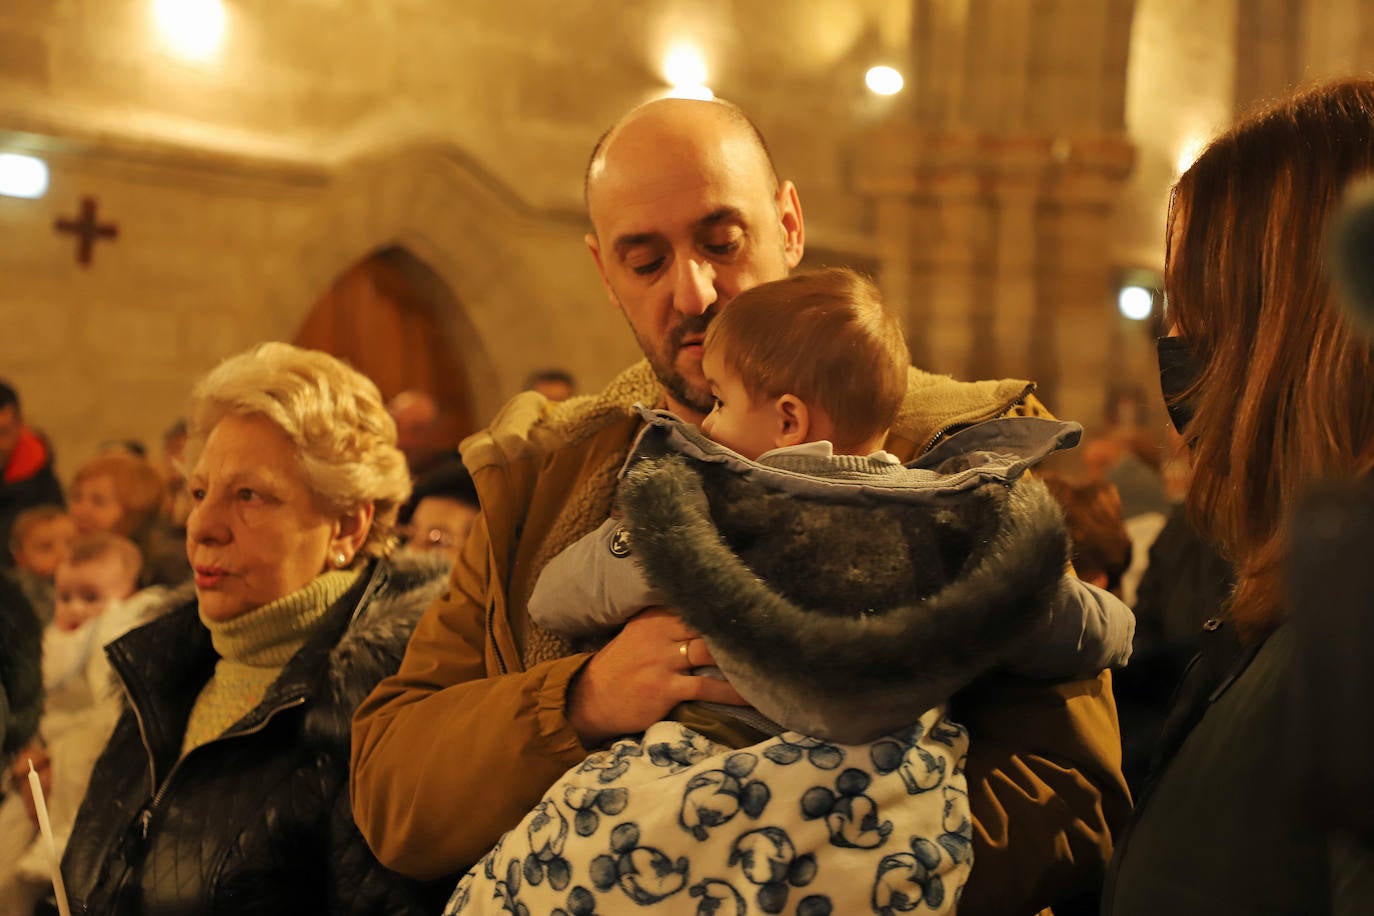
[{"x": 87, "y": 230}]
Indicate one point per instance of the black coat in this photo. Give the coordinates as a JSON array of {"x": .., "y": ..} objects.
[
  {"x": 258, "y": 820},
  {"x": 21, "y": 669}
]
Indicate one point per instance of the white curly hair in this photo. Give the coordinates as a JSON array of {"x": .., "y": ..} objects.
[{"x": 335, "y": 416}]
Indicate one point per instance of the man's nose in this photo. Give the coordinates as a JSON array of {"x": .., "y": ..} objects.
[{"x": 695, "y": 289}]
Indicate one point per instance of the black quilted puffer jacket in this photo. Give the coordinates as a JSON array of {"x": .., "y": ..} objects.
[{"x": 257, "y": 821}]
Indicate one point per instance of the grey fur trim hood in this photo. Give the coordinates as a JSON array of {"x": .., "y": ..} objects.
[{"x": 841, "y": 606}]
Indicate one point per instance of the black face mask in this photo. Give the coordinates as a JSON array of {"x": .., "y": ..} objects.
[{"x": 1177, "y": 373}]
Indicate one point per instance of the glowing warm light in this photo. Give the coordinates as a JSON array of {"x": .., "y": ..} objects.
[
  {"x": 691, "y": 92},
  {"x": 685, "y": 70},
  {"x": 684, "y": 66},
  {"x": 194, "y": 28},
  {"x": 884, "y": 80},
  {"x": 23, "y": 176},
  {"x": 1136, "y": 302},
  {"x": 1188, "y": 153}
]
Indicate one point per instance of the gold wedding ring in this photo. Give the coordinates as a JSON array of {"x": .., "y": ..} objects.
[{"x": 682, "y": 649}]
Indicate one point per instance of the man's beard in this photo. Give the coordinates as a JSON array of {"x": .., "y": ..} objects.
[{"x": 696, "y": 396}]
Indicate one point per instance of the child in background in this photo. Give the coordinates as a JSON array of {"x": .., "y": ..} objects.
[
  {"x": 81, "y": 706},
  {"x": 39, "y": 542},
  {"x": 123, "y": 494},
  {"x": 843, "y": 594}
]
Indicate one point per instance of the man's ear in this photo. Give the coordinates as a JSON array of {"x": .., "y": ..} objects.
[
  {"x": 793, "y": 421},
  {"x": 793, "y": 227},
  {"x": 594, "y": 246}
]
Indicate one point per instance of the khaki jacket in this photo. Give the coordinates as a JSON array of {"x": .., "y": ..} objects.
[{"x": 455, "y": 748}]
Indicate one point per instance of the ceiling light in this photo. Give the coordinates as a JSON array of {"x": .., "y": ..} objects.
[
  {"x": 1188, "y": 153},
  {"x": 691, "y": 92},
  {"x": 685, "y": 69},
  {"x": 884, "y": 80},
  {"x": 684, "y": 66},
  {"x": 193, "y": 28}
]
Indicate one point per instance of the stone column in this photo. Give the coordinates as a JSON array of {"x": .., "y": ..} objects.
[
  {"x": 1077, "y": 276},
  {"x": 998, "y": 250}
]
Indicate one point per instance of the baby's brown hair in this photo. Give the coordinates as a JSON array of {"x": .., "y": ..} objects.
[
  {"x": 101, "y": 544},
  {"x": 825, "y": 337},
  {"x": 29, "y": 519}
]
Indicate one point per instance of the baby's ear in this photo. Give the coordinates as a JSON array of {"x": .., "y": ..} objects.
[{"x": 793, "y": 426}]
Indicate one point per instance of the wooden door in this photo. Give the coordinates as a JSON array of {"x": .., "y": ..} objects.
[{"x": 384, "y": 323}]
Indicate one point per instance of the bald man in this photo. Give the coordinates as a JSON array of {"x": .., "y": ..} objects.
[{"x": 488, "y": 709}]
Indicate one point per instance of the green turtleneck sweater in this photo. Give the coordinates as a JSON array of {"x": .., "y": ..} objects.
[{"x": 253, "y": 648}]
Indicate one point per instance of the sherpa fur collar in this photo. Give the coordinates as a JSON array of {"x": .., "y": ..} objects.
[{"x": 845, "y": 619}]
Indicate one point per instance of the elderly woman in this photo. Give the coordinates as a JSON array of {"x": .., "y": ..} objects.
[
  {"x": 1270, "y": 386},
  {"x": 223, "y": 787}
]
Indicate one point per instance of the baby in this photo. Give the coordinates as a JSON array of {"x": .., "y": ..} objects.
[
  {"x": 844, "y": 595},
  {"x": 808, "y": 374},
  {"x": 39, "y": 542},
  {"x": 80, "y": 709}
]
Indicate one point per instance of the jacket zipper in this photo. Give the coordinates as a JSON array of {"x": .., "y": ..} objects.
[
  {"x": 944, "y": 430},
  {"x": 146, "y": 816}
]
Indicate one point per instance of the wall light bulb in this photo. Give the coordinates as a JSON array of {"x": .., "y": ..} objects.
[
  {"x": 23, "y": 176},
  {"x": 884, "y": 80},
  {"x": 1135, "y": 302}
]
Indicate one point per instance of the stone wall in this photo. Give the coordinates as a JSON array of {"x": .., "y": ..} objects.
[
  {"x": 1029, "y": 158},
  {"x": 214, "y": 256}
]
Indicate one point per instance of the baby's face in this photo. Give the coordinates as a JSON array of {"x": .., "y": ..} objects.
[
  {"x": 737, "y": 421},
  {"x": 85, "y": 590},
  {"x": 45, "y": 546}
]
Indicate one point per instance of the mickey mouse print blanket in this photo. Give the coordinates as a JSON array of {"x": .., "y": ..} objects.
[{"x": 674, "y": 823}]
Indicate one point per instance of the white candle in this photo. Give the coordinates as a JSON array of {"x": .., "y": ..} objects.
[{"x": 44, "y": 825}]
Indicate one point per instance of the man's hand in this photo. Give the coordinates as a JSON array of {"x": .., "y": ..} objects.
[
  {"x": 19, "y": 776},
  {"x": 639, "y": 676}
]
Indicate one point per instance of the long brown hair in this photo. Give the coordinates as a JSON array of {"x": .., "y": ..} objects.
[{"x": 1284, "y": 394}]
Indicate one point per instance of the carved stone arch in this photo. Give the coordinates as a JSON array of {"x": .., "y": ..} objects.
[{"x": 471, "y": 231}]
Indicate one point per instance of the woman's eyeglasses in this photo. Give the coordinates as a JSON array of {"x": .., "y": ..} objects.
[{"x": 427, "y": 538}]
